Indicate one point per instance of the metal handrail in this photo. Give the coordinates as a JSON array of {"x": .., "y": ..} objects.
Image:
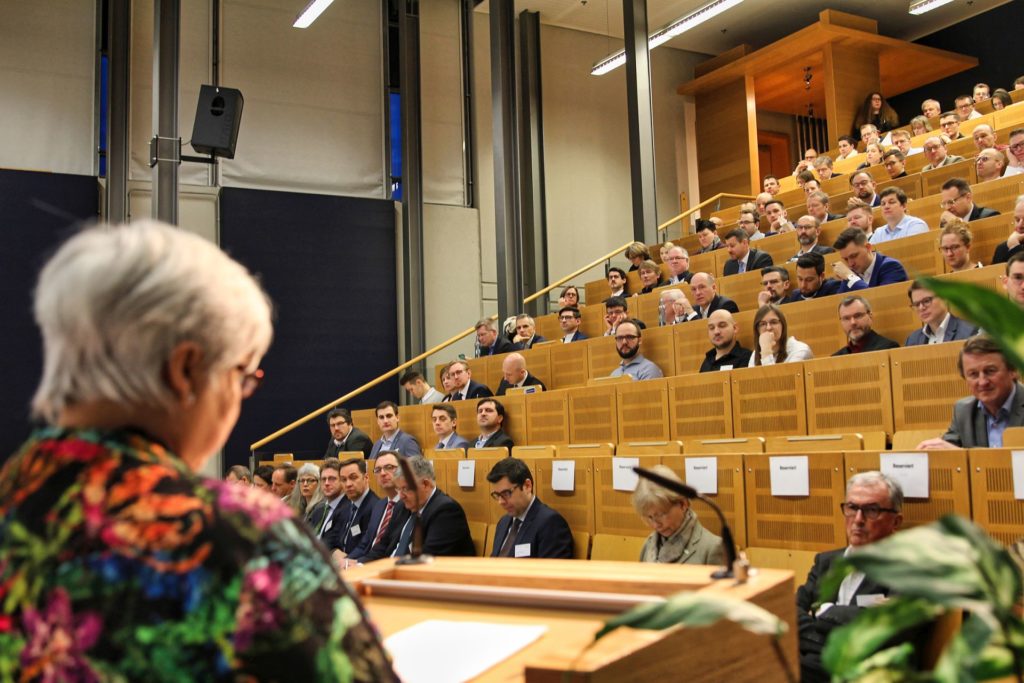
[
  {"x": 717, "y": 199},
  {"x": 579, "y": 271}
]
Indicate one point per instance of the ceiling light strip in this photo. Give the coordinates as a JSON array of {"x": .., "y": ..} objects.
[{"x": 922, "y": 6}]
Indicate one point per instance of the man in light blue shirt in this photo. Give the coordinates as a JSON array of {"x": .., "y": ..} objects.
[
  {"x": 897, "y": 222},
  {"x": 627, "y": 343}
]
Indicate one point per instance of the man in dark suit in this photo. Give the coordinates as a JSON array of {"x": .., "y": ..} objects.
[
  {"x": 490, "y": 416},
  {"x": 939, "y": 324},
  {"x": 385, "y": 511},
  {"x": 863, "y": 186},
  {"x": 326, "y": 519},
  {"x": 808, "y": 230},
  {"x": 996, "y": 401},
  {"x": 489, "y": 341},
  {"x": 855, "y": 317},
  {"x": 706, "y": 297},
  {"x": 445, "y": 421},
  {"x": 526, "y": 333},
  {"x": 391, "y": 437},
  {"x": 569, "y": 321},
  {"x": 355, "y": 511},
  {"x": 775, "y": 280},
  {"x": 678, "y": 261},
  {"x": 860, "y": 259},
  {"x": 812, "y": 283},
  {"x": 460, "y": 377},
  {"x": 345, "y": 437},
  {"x": 872, "y": 511},
  {"x": 958, "y": 199},
  {"x": 743, "y": 258},
  {"x": 529, "y": 528},
  {"x": 445, "y": 531},
  {"x": 515, "y": 374}
]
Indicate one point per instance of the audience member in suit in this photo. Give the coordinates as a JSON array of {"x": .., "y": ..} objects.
[
  {"x": 861, "y": 260},
  {"x": 775, "y": 280},
  {"x": 812, "y": 283},
  {"x": 462, "y": 385},
  {"x": 385, "y": 511},
  {"x": 818, "y": 207},
  {"x": 284, "y": 485},
  {"x": 325, "y": 518},
  {"x": 569, "y": 321},
  {"x": 1014, "y": 244},
  {"x": 958, "y": 199},
  {"x": 996, "y": 401},
  {"x": 526, "y": 333},
  {"x": 855, "y": 317},
  {"x": 414, "y": 383},
  {"x": 617, "y": 281},
  {"x": 668, "y": 312},
  {"x": 490, "y": 416},
  {"x": 445, "y": 420},
  {"x": 935, "y": 152},
  {"x": 355, "y": 511},
  {"x": 726, "y": 352},
  {"x": 489, "y": 342},
  {"x": 872, "y": 511},
  {"x": 678, "y": 260},
  {"x": 650, "y": 277},
  {"x": 628, "y": 339},
  {"x": 808, "y": 230},
  {"x": 445, "y": 531},
  {"x": 529, "y": 528},
  {"x": 743, "y": 258},
  {"x": 939, "y": 324},
  {"x": 1013, "y": 281},
  {"x": 707, "y": 299},
  {"x": 955, "y": 244},
  {"x": 677, "y": 535},
  {"x": 515, "y": 374},
  {"x": 391, "y": 437},
  {"x": 707, "y": 235},
  {"x": 863, "y": 187},
  {"x": 750, "y": 222}
]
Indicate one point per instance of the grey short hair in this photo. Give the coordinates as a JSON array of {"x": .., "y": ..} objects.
[
  {"x": 309, "y": 470},
  {"x": 648, "y": 494},
  {"x": 421, "y": 468},
  {"x": 874, "y": 479},
  {"x": 673, "y": 294},
  {"x": 113, "y": 303}
]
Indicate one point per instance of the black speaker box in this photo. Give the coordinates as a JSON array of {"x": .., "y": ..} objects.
[{"x": 217, "y": 117}]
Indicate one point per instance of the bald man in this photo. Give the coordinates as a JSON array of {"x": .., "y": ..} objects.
[
  {"x": 990, "y": 164},
  {"x": 984, "y": 137},
  {"x": 515, "y": 375},
  {"x": 726, "y": 352},
  {"x": 706, "y": 298}
]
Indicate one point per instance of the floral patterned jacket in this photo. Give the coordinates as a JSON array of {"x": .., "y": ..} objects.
[{"x": 117, "y": 563}]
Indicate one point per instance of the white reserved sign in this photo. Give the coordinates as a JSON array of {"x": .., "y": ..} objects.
[
  {"x": 702, "y": 474},
  {"x": 623, "y": 476},
  {"x": 563, "y": 475},
  {"x": 1017, "y": 459},
  {"x": 910, "y": 470},
  {"x": 789, "y": 475},
  {"x": 467, "y": 473}
]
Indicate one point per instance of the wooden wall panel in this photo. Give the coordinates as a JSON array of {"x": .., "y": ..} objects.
[{"x": 727, "y": 130}]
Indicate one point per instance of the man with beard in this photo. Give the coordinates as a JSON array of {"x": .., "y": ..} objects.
[
  {"x": 863, "y": 186},
  {"x": 808, "y": 230},
  {"x": 855, "y": 317},
  {"x": 627, "y": 343}
]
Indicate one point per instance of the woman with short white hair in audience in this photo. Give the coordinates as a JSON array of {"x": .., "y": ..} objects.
[
  {"x": 309, "y": 488},
  {"x": 678, "y": 536},
  {"x": 774, "y": 345},
  {"x": 919, "y": 125}
]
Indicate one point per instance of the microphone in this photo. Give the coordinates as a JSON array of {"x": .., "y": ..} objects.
[
  {"x": 415, "y": 555},
  {"x": 691, "y": 493}
]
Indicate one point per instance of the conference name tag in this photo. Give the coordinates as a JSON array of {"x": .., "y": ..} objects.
[
  {"x": 354, "y": 530},
  {"x": 724, "y": 368},
  {"x": 522, "y": 550},
  {"x": 870, "y": 600}
]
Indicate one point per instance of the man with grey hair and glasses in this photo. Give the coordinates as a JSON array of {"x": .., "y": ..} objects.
[{"x": 872, "y": 511}]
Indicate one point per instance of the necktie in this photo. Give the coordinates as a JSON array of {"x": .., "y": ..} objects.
[
  {"x": 323, "y": 520},
  {"x": 403, "y": 540},
  {"x": 351, "y": 521},
  {"x": 510, "y": 539},
  {"x": 743, "y": 267},
  {"x": 440, "y": 445},
  {"x": 384, "y": 521}
]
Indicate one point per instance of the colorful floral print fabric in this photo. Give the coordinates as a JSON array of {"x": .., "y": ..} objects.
[{"x": 117, "y": 563}]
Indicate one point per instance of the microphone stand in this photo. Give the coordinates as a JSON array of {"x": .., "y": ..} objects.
[
  {"x": 691, "y": 493},
  {"x": 415, "y": 555}
]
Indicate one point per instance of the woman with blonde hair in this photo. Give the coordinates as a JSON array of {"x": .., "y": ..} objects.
[
  {"x": 637, "y": 253},
  {"x": 677, "y": 536}
]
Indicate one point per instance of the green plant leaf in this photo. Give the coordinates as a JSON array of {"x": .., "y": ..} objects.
[
  {"x": 890, "y": 664},
  {"x": 1001, "y": 319},
  {"x": 696, "y": 610},
  {"x": 850, "y": 645}
]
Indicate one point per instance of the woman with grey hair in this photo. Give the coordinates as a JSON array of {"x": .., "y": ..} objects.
[
  {"x": 308, "y": 489},
  {"x": 678, "y": 535},
  {"x": 119, "y": 561}
]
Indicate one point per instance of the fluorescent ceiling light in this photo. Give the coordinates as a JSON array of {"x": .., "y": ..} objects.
[
  {"x": 922, "y": 6},
  {"x": 677, "y": 27},
  {"x": 313, "y": 10}
]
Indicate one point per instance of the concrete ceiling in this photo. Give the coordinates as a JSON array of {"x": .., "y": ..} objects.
[{"x": 755, "y": 22}]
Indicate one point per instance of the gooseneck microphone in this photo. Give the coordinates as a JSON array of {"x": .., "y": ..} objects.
[{"x": 691, "y": 493}]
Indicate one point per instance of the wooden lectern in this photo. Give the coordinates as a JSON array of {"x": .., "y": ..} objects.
[{"x": 573, "y": 599}]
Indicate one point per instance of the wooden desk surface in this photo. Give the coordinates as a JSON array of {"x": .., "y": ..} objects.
[{"x": 561, "y": 648}]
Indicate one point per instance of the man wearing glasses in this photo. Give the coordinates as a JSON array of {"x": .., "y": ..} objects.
[
  {"x": 385, "y": 510},
  {"x": 958, "y": 199},
  {"x": 996, "y": 401},
  {"x": 345, "y": 436},
  {"x": 569, "y": 321},
  {"x": 627, "y": 343},
  {"x": 935, "y": 151},
  {"x": 1015, "y": 152},
  {"x": 529, "y": 528},
  {"x": 863, "y": 186},
  {"x": 939, "y": 324},
  {"x": 872, "y": 511}
]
